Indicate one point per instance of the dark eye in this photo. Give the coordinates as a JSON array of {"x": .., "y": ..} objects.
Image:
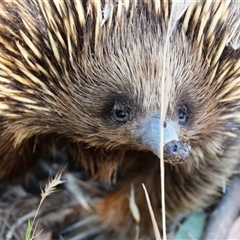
[
  {"x": 182, "y": 114},
  {"x": 121, "y": 112}
]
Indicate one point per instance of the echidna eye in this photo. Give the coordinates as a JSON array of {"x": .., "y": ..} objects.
[
  {"x": 120, "y": 112},
  {"x": 182, "y": 114}
]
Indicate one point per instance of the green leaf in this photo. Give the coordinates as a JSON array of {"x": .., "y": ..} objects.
[{"x": 29, "y": 230}]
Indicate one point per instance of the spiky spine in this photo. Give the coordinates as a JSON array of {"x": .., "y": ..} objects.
[{"x": 61, "y": 61}]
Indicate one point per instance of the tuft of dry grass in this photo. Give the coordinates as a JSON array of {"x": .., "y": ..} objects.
[
  {"x": 68, "y": 207},
  {"x": 48, "y": 190}
]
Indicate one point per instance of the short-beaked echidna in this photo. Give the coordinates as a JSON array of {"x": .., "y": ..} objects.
[{"x": 89, "y": 76}]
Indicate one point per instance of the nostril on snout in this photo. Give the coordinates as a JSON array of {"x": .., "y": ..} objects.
[
  {"x": 165, "y": 124},
  {"x": 174, "y": 147}
]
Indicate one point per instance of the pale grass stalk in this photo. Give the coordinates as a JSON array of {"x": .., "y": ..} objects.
[
  {"x": 49, "y": 189},
  {"x": 163, "y": 114},
  {"x": 164, "y": 99},
  {"x": 178, "y": 9},
  {"x": 154, "y": 222}
]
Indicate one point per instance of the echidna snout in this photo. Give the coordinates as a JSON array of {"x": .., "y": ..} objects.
[{"x": 148, "y": 134}]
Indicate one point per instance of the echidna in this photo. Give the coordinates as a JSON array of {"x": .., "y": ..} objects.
[{"x": 89, "y": 76}]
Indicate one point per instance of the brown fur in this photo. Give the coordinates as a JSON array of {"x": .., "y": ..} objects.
[{"x": 62, "y": 67}]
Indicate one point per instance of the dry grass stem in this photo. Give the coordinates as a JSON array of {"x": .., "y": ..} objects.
[
  {"x": 49, "y": 189},
  {"x": 177, "y": 10},
  {"x": 35, "y": 236},
  {"x": 154, "y": 222}
]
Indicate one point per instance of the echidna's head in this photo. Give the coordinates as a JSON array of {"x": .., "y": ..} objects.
[
  {"x": 102, "y": 78},
  {"x": 120, "y": 86},
  {"x": 124, "y": 88}
]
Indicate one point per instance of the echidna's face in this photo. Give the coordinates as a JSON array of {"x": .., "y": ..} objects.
[
  {"x": 122, "y": 90},
  {"x": 117, "y": 94}
]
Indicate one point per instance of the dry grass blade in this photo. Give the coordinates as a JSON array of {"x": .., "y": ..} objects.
[
  {"x": 154, "y": 222},
  {"x": 134, "y": 210},
  {"x": 133, "y": 207}
]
